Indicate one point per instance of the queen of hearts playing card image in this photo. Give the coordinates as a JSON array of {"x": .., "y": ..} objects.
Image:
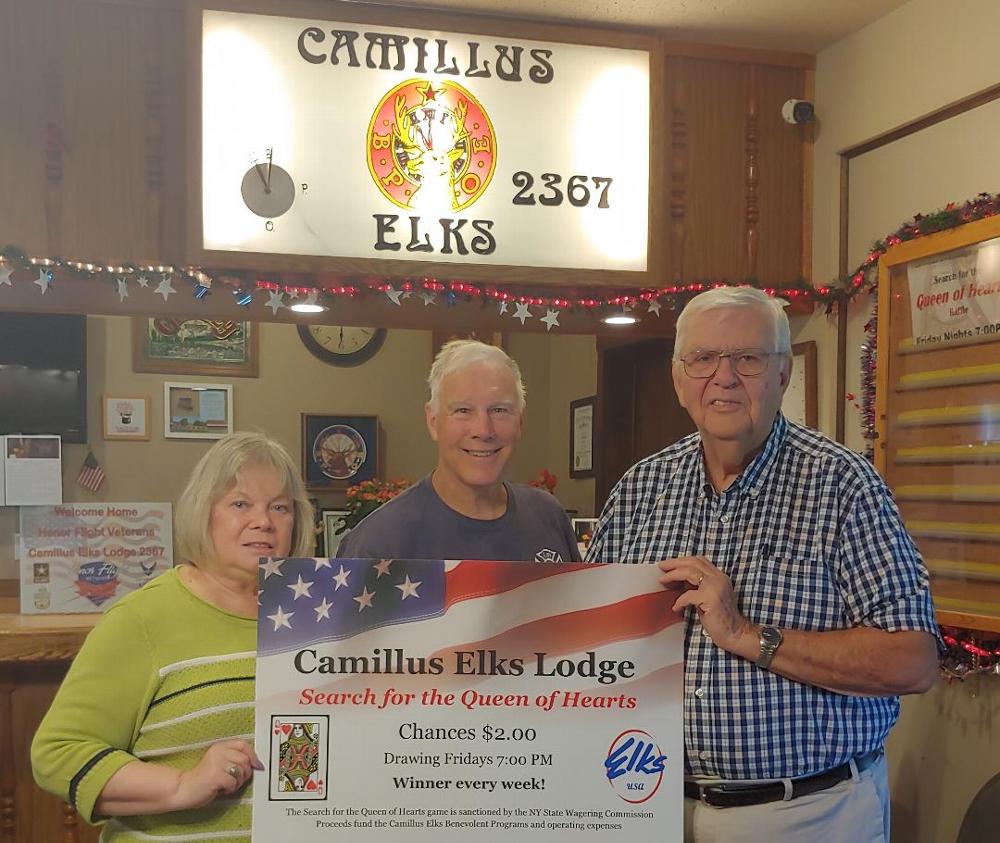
[{"x": 299, "y": 756}]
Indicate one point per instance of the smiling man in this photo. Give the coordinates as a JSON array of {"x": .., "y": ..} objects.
[
  {"x": 807, "y": 604},
  {"x": 464, "y": 509}
]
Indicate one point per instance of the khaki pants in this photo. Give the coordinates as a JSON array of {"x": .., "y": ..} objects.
[{"x": 854, "y": 811}]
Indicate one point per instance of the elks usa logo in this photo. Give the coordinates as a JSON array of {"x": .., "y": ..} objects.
[
  {"x": 431, "y": 146},
  {"x": 634, "y": 766}
]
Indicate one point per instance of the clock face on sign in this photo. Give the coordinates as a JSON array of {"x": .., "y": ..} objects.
[
  {"x": 267, "y": 189},
  {"x": 342, "y": 345}
]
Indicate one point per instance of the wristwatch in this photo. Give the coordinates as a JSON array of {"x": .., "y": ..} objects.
[{"x": 770, "y": 640}]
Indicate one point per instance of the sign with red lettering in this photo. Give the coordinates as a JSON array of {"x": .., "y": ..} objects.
[
  {"x": 955, "y": 298},
  {"x": 467, "y": 700},
  {"x": 83, "y": 557}
]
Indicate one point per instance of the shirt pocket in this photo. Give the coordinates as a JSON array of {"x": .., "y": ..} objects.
[{"x": 798, "y": 593}]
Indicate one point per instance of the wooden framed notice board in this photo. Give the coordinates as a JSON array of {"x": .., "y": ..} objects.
[{"x": 937, "y": 411}]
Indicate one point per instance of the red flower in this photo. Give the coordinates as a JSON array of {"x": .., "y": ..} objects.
[{"x": 545, "y": 480}]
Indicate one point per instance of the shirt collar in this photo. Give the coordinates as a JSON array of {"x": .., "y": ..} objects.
[{"x": 749, "y": 480}]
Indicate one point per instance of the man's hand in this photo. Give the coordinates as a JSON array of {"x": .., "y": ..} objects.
[{"x": 711, "y": 593}]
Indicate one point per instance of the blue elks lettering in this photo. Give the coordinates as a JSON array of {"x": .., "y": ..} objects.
[{"x": 642, "y": 759}]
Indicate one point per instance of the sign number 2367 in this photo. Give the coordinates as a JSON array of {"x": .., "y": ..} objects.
[{"x": 577, "y": 191}]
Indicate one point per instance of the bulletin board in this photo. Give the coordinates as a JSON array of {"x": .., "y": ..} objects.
[{"x": 937, "y": 411}]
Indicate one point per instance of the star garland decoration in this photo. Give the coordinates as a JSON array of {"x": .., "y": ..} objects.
[
  {"x": 322, "y": 289},
  {"x": 394, "y": 290}
]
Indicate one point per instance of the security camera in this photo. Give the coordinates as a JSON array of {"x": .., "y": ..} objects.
[{"x": 798, "y": 111}]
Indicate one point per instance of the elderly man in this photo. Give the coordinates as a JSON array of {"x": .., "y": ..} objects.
[
  {"x": 464, "y": 509},
  {"x": 808, "y": 610}
]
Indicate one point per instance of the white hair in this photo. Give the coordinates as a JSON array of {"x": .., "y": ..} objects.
[
  {"x": 457, "y": 355},
  {"x": 731, "y": 297}
]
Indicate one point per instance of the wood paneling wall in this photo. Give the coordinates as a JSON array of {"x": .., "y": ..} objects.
[
  {"x": 91, "y": 151},
  {"x": 736, "y": 171}
]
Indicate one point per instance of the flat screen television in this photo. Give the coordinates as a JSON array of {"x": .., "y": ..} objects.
[{"x": 43, "y": 374}]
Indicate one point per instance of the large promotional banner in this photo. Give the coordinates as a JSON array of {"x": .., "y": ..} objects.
[
  {"x": 83, "y": 557},
  {"x": 421, "y": 700}
]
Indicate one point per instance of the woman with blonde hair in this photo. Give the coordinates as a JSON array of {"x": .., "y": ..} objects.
[{"x": 152, "y": 729}]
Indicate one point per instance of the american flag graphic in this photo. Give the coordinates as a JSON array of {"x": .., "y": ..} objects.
[
  {"x": 511, "y": 607},
  {"x": 91, "y": 474}
]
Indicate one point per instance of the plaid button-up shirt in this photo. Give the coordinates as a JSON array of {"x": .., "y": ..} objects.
[{"x": 811, "y": 539}]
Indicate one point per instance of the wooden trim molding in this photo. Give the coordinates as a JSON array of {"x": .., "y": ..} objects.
[
  {"x": 678, "y": 175},
  {"x": 752, "y": 210},
  {"x": 926, "y": 121}
]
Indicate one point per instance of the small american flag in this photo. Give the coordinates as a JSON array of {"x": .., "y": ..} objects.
[{"x": 91, "y": 474}]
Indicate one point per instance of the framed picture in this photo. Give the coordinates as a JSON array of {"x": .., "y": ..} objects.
[
  {"x": 581, "y": 437},
  {"x": 125, "y": 416},
  {"x": 583, "y": 528},
  {"x": 799, "y": 403},
  {"x": 440, "y": 337},
  {"x": 197, "y": 410},
  {"x": 169, "y": 346},
  {"x": 333, "y": 520},
  {"x": 339, "y": 451}
]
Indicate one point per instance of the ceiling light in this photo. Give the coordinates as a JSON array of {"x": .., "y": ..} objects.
[
  {"x": 307, "y": 307},
  {"x": 620, "y": 316}
]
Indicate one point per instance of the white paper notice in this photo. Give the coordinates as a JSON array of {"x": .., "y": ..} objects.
[{"x": 32, "y": 470}]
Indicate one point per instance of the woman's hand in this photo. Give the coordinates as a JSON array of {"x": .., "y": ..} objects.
[
  {"x": 224, "y": 768},
  {"x": 145, "y": 787}
]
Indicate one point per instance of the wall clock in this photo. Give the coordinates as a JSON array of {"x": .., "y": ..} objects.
[{"x": 341, "y": 345}]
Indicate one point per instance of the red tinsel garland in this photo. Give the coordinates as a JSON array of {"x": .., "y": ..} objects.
[{"x": 969, "y": 653}]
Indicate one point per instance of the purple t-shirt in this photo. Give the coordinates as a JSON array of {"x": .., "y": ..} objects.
[{"x": 419, "y": 525}]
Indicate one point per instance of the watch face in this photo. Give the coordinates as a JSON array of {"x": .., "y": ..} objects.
[
  {"x": 341, "y": 345},
  {"x": 771, "y": 635}
]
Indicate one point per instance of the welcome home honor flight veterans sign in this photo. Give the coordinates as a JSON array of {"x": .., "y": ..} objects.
[
  {"x": 420, "y": 701},
  {"x": 340, "y": 139},
  {"x": 84, "y": 557}
]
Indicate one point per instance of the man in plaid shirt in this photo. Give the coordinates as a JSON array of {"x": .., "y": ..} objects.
[{"x": 808, "y": 607}]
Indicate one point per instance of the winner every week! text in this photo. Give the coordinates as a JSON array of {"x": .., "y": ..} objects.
[{"x": 466, "y": 663}]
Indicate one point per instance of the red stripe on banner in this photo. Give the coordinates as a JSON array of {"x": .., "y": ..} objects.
[
  {"x": 100, "y": 591},
  {"x": 573, "y": 632},
  {"x": 469, "y": 581}
]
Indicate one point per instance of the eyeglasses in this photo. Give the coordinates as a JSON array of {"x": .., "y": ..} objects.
[{"x": 703, "y": 363}]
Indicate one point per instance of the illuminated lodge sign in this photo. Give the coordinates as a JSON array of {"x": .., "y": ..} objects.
[{"x": 326, "y": 139}]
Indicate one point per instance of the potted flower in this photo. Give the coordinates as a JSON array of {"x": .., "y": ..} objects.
[{"x": 364, "y": 498}]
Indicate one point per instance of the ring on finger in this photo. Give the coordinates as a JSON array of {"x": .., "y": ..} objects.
[
  {"x": 234, "y": 771},
  {"x": 701, "y": 579}
]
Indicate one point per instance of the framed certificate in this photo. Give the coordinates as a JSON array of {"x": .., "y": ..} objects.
[
  {"x": 799, "y": 403},
  {"x": 581, "y": 437}
]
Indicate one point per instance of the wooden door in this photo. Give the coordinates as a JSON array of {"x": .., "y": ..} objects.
[{"x": 637, "y": 409}]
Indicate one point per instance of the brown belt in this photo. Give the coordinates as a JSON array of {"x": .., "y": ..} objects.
[{"x": 739, "y": 795}]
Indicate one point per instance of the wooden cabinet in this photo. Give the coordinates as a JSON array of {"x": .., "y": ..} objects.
[{"x": 35, "y": 652}]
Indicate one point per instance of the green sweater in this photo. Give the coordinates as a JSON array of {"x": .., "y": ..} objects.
[{"x": 161, "y": 677}]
